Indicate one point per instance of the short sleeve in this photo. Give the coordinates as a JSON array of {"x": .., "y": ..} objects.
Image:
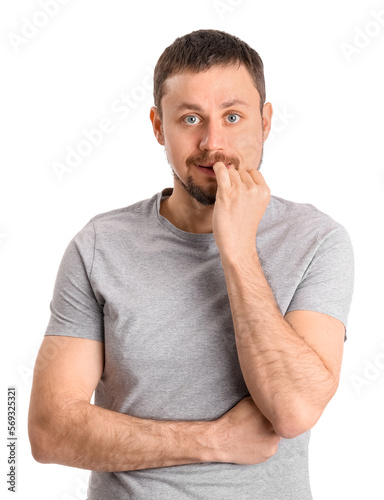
[
  {"x": 75, "y": 311},
  {"x": 327, "y": 283}
]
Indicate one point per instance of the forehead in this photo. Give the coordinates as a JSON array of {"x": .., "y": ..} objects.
[{"x": 215, "y": 85}]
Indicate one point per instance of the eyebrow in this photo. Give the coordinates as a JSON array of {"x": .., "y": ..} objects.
[{"x": 224, "y": 105}]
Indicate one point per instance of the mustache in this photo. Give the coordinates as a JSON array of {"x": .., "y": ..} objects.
[{"x": 207, "y": 158}]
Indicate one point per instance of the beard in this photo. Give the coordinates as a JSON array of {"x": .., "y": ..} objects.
[{"x": 206, "y": 195}]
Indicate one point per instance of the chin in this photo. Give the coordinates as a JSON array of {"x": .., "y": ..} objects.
[{"x": 204, "y": 195}]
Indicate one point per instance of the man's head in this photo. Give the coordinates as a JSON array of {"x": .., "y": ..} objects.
[
  {"x": 209, "y": 94},
  {"x": 201, "y": 50}
]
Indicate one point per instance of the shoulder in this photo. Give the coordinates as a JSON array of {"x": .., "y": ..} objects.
[
  {"x": 125, "y": 213},
  {"x": 295, "y": 211},
  {"x": 300, "y": 220},
  {"x": 113, "y": 225}
]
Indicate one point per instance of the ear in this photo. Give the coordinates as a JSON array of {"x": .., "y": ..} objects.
[
  {"x": 157, "y": 125},
  {"x": 267, "y": 119}
]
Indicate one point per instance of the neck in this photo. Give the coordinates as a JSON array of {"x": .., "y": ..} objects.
[{"x": 187, "y": 214}]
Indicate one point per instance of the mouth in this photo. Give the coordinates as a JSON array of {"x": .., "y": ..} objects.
[
  {"x": 210, "y": 165},
  {"x": 208, "y": 169}
]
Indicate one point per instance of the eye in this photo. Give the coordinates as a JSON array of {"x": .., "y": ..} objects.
[
  {"x": 233, "y": 117},
  {"x": 191, "y": 119}
]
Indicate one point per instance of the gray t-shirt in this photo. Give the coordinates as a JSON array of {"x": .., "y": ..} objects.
[{"x": 156, "y": 296}]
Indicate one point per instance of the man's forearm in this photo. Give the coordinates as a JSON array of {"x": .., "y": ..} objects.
[
  {"x": 86, "y": 436},
  {"x": 285, "y": 377}
]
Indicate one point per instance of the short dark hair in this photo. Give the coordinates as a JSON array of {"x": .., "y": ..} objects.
[{"x": 202, "y": 49}]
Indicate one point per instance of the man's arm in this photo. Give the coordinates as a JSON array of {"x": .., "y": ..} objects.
[
  {"x": 291, "y": 365},
  {"x": 65, "y": 428}
]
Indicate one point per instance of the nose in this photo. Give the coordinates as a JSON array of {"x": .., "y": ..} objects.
[{"x": 212, "y": 137}]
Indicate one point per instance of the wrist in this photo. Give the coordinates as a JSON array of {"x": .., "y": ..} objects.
[
  {"x": 212, "y": 439},
  {"x": 206, "y": 440},
  {"x": 189, "y": 442},
  {"x": 242, "y": 258}
]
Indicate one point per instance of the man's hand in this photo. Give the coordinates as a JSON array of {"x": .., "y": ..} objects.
[
  {"x": 241, "y": 200},
  {"x": 244, "y": 435}
]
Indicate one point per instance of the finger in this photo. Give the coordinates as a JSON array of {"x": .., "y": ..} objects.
[
  {"x": 234, "y": 176},
  {"x": 222, "y": 175},
  {"x": 257, "y": 176},
  {"x": 246, "y": 177}
]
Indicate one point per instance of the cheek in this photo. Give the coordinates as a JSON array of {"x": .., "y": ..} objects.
[
  {"x": 175, "y": 143},
  {"x": 249, "y": 147},
  {"x": 250, "y": 140},
  {"x": 176, "y": 153}
]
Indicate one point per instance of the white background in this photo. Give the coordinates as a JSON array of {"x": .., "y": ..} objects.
[{"x": 326, "y": 149}]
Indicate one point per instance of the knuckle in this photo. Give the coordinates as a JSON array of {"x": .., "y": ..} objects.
[{"x": 267, "y": 192}]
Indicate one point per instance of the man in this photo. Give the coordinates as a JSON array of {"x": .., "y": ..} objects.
[{"x": 209, "y": 318}]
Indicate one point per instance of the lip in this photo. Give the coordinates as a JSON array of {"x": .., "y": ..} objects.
[{"x": 209, "y": 171}]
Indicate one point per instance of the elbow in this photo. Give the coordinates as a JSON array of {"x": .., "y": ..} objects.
[
  {"x": 40, "y": 448},
  {"x": 291, "y": 430},
  {"x": 41, "y": 440},
  {"x": 301, "y": 417},
  {"x": 292, "y": 426}
]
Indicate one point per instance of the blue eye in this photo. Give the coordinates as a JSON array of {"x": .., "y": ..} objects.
[
  {"x": 233, "y": 115},
  {"x": 191, "y": 119}
]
